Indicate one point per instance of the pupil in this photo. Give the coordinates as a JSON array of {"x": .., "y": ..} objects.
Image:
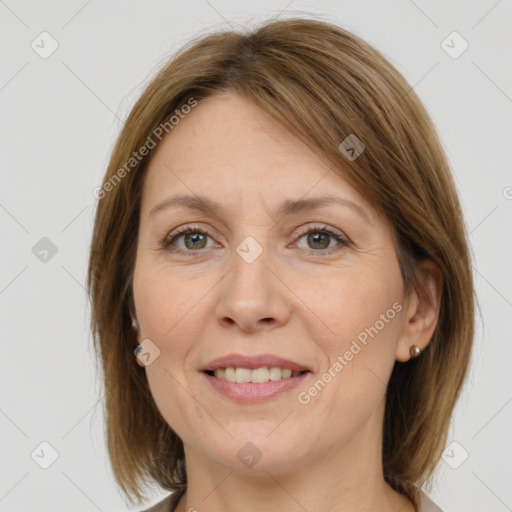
[{"x": 317, "y": 238}]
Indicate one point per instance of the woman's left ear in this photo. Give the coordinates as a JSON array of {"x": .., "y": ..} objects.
[{"x": 422, "y": 311}]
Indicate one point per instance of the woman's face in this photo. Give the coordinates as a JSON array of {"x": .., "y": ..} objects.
[{"x": 268, "y": 273}]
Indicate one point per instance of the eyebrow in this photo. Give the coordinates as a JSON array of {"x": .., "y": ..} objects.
[{"x": 287, "y": 207}]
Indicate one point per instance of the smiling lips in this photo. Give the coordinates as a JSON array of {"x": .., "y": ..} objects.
[{"x": 253, "y": 379}]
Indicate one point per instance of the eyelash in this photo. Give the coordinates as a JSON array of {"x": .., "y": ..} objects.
[{"x": 194, "y": 229}]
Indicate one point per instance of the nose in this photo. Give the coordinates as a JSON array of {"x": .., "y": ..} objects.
[{"x": 252, "y": 296}]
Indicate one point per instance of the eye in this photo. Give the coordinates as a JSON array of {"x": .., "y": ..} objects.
[
  {"x": 192, "y": 240},
  {"x": 323, "y": 240},
  {"x": 189, "y": 239}
]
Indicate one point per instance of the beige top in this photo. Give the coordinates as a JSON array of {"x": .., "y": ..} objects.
[{"x": 425, "y": 504}]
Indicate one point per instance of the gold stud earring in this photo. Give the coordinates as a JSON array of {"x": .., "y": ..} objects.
[{"x": 415, "y": 351}]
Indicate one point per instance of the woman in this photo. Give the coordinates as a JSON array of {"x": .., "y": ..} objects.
[{"x": 281, "y": 287}]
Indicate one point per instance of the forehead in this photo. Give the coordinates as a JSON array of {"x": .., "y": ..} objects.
[{"x": 227, "y": 147}]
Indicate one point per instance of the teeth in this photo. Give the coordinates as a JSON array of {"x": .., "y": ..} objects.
[
  {"x": 260, "y": 375},
  {"x": 229, "y": 374},
  {"x": 286, "y": 373},
  {"x": 241, "y": 375},
  {"x": 275, "y": 373}
]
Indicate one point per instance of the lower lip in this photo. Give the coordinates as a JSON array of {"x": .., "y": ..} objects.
[{"x": 250, "y": 392}]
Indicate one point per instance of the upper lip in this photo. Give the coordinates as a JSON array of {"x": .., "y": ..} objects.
[{"x": 253, "y": 362}]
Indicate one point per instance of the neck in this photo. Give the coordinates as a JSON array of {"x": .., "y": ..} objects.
[
  {"x": 288, "y": 493},
  {"x": 344, "y": 478}
]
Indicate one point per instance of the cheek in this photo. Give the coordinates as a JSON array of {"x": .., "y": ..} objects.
[
  {"x": 354, "y": 304},
  {"x": 357, "y": 324},
  {"x": 167, "y": 306}
]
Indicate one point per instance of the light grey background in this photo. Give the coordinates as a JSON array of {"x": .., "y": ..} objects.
[{"x": 59, "y": 118}]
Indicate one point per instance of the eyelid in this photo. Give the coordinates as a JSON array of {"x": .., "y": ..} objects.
[{"x": 319, "y": 226}]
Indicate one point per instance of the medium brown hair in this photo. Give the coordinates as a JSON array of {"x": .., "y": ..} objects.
[{"x": 322, "y": 83}]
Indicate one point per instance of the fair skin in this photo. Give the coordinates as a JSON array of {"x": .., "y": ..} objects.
[{"x": 304, "y": 298}]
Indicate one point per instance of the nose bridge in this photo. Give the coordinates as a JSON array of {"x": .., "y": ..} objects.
[
  {"x": 252, "y": 296},
  {"x": 250, "y": 269}
]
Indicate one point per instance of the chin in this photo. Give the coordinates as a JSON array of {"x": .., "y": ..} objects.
[{"x": 258, "y": 453}]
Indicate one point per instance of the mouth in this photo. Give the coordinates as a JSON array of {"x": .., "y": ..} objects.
[{"x": 252, "y": 379}]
